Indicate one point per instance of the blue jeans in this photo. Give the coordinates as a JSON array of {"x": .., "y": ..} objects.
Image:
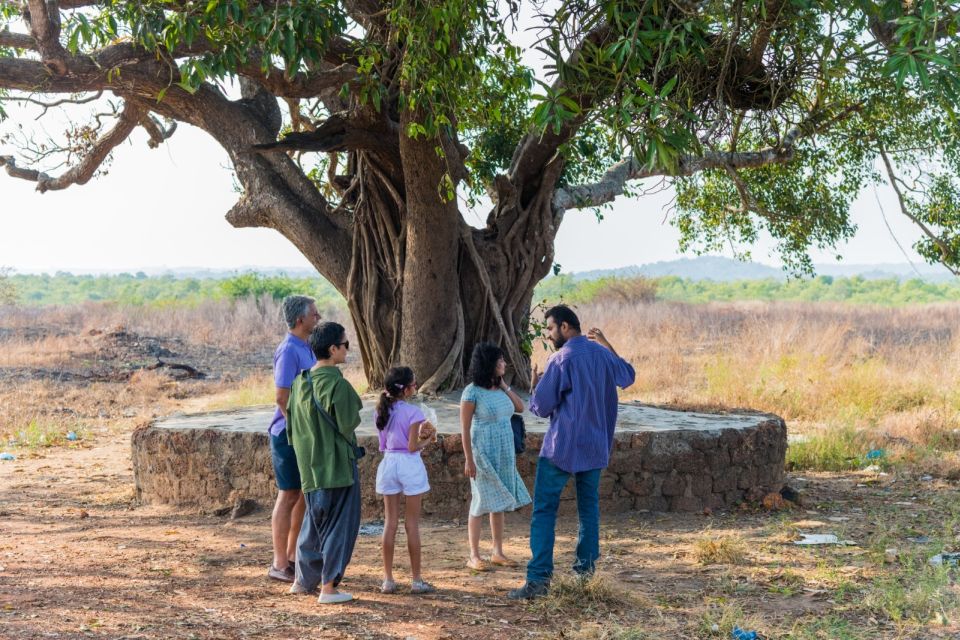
[{"x": 546, "y": 500}]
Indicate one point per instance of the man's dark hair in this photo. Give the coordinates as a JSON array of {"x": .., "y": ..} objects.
[
  {"x": 562, "y": 313},
  {"x": 324, "y": 336},
  {"x": 483, "y": 365}
]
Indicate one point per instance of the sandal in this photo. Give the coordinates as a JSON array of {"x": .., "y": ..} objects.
[
  {"x": 388, "y": 586},
  {"x": 477, "y": 565},
  {"x": 505, "y": 562},
  {"x": 420, "y": 587}
]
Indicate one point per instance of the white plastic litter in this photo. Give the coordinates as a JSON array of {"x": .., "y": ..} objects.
[
  {"x": 949, "y": 559},
  {"x": 810, "y": 539}
]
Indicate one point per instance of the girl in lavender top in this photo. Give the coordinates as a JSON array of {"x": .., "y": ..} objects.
[{"x": 404, "y": 431}]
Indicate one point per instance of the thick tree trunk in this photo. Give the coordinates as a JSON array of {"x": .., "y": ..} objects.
[
  {"x": 432, "y": 314},
  {"x": 424, "y": 287},
  {"x": 374, "y": 285}
]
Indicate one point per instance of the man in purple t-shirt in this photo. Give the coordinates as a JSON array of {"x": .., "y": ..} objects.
[{"x": 291, "y": 357}]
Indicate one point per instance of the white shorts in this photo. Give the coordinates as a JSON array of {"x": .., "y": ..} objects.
[{"x": 401, "y": 472}]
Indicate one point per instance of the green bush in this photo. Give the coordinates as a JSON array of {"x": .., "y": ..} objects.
[{"x": 8, "y": 290}]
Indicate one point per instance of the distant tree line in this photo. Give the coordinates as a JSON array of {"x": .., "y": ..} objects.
[
  {"x": 137, "y": 289},
  {"x": 855, "y": 290}
]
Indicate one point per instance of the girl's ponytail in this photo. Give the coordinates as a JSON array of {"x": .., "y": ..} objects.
[{"x": 396, "y": 381}]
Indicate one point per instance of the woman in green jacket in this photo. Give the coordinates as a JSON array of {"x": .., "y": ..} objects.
[{"x": 323, "y": 413}]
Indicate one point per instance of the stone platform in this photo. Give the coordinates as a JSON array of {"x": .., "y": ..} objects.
[{"x": 663, "y": 460}]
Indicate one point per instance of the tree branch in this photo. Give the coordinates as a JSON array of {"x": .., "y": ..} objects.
[
  {"x": 17, "y": 40},
  {"x": 343, "y": 132},
  {"x": 537, "y": 149},
  {"x": 88, "y": 166},
  {"x": 56, "y": 103},
  {"x": 937, "y": 240},
  {"x": 43, "y": 17},
  {"x": 613, "y": 182},
  {"x": 158, "y": 135},
  {"x": 761, "y": 38},
  {"x": 301, "y": 85},
  {"x": 885, "y": 30}
]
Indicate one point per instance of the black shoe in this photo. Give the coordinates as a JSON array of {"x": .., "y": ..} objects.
[{"x": 529, "y": 591}]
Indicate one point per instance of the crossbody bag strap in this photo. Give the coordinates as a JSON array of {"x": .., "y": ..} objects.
[{"x": 324, "y": 414}]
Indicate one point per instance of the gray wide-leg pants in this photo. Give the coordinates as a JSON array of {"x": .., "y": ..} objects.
[{"x": 331, "y": 524}]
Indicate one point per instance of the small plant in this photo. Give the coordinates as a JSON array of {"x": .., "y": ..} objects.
[
  {"x": 786, "y": 583},
  {"x": 536, "y": 329},
  {"x": 918, "y": 592},
  {"x": 583, "y": 595},
  {"x": 609, "y": 632},
  {"x": 46, "y": 433},
  {"x": 251, "y": 391},
  {"x": 838, "y": 449},
  {"x": 720, "y": 550},
  {"x": 719, "y": 621}
]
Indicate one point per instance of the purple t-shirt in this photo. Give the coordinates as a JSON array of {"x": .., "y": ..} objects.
[
  {"x": 396, "y": 435},
  {"x": 291, "y": 357}
]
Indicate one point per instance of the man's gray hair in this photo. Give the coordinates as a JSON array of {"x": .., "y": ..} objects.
[{"x": 294, "y": 307}]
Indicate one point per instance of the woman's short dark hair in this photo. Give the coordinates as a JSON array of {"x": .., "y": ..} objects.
[
  {"x": 324, "y": 336},
  {"x": 562, "y": 313},
  {"x": 483, "y": 365}
]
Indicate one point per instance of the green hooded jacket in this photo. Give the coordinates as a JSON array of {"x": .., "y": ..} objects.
[{"x": 325, "y": 460}]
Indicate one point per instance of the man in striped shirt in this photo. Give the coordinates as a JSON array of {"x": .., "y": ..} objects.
[{"x": 578, "y": 391}]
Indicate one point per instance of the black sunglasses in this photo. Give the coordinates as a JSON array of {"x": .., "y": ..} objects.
[{"x": 345, "y": 343}]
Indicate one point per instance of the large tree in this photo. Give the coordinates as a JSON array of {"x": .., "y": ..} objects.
[{"x": 360, "y": 129}]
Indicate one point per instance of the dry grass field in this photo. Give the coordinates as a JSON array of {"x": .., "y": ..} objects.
[{"x": 79, "y": 559}]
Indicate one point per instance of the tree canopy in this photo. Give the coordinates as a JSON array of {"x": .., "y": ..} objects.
[{"x": 765, "y": 115}]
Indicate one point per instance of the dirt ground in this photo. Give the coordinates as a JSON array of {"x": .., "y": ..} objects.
[{"x": 79, "y": 559}]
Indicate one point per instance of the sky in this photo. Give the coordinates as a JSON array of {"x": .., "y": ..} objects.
[{"x": 164, "y": 208}]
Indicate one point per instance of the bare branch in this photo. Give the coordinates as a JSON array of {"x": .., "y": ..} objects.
[
  {"x": 613, "y": 182},
  {"x": 937, "y": 240},
  {"x": 56, "y": 103},
  {"x": 89, "y": 164}
]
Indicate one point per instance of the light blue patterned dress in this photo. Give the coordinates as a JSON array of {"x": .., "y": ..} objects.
[{"x": 498, "y": 486}]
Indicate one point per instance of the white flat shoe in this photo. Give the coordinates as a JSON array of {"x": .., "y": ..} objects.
[{"x": 335, "y": 598}]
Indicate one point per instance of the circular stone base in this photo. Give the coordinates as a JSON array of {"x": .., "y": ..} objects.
[{"x": 663, "y": 460}]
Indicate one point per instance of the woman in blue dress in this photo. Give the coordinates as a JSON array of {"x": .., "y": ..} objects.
[{"x": 491, "y": 463}]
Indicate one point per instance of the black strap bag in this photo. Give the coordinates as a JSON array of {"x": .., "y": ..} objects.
[{"x": 519, "y": 433}]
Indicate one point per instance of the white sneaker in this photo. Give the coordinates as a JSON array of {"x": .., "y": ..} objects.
[{"x": 335, "y": 598}]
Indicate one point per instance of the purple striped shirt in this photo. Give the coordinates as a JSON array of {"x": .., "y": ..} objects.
[{"x": 578, "y": 391}]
